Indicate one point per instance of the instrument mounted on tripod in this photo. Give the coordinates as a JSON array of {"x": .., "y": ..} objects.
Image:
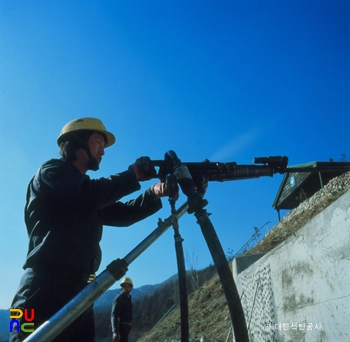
[{"x": 221, "y": 172}]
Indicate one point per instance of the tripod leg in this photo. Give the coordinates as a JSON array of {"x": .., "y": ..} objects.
[
  {"x": 225, "y": 275},
  {"x": 182, "y": 286}
]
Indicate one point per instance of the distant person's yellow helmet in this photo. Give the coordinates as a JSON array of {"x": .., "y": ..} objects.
[
  {"x": 86, "y": 124},
  {"x": 126, "y": 281}
]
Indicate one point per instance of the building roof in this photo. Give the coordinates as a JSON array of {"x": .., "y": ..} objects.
[{"x": 297, "y": 186}]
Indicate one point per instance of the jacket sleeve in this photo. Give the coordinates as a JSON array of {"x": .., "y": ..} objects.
[
  {"x": 66, "y": 184},
  {"x": 125, "y": 214}
]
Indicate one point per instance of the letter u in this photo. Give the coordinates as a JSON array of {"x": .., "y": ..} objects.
[{"x": 26, "y": 318}]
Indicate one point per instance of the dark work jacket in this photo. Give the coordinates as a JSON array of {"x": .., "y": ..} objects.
[
  {"x": 121, "y": 311},
  {"x": 66, "y": 210}
]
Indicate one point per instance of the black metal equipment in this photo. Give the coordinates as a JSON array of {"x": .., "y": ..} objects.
[
  {"x": 194, "y": 188},
  {"x": 192, "y": 178},
  {"x": 181, "y": 269},
  {"x": 221, "y": 172}
]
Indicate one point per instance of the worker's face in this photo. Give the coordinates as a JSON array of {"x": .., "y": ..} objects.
[
  {"x": 126, "y": 288},
  {"x": 97, "y": 146}
]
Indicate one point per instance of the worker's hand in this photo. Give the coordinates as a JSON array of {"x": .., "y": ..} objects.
[
  {"x": 160, "y": 190},
  {"x": 116, "y": 337},
  {"x": 143, "y": 169}
]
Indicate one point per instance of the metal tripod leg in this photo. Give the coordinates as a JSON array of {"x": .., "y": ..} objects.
[
  {"x": 225, "y": 275},
  {"x": 182, "y": 285},
  {"x": 181, "y": 269}
]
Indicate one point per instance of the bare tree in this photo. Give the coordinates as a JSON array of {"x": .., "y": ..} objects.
[{"x": 192, "y": 266}]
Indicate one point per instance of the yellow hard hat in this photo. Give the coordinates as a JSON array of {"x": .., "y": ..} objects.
[
  {"x": 90, "y": 124},
  {"x": 126, "y": 281}
]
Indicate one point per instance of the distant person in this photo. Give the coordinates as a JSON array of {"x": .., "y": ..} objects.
[
  {"x": 64, "y": 214},
  {"x": 121, "y": 316}
]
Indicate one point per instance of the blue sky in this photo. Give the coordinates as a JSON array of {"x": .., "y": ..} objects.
[{"x": 224, "y": 80}]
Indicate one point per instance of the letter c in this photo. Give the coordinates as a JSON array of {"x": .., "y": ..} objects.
[{"x": 25, "y": 325}]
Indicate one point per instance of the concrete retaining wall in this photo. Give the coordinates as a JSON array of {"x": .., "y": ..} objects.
[{"x": 300, "y": 291}]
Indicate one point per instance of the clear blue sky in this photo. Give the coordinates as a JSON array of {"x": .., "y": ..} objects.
[{"x": 223, "y": 80}]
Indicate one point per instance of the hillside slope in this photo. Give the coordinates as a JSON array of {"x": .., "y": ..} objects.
[{"x": 209, "y": 317}]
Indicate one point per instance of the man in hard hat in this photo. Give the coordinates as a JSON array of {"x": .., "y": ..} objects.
[
  {"x": 64, "y": 214},
  {"x": 121, "y": 316}
]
